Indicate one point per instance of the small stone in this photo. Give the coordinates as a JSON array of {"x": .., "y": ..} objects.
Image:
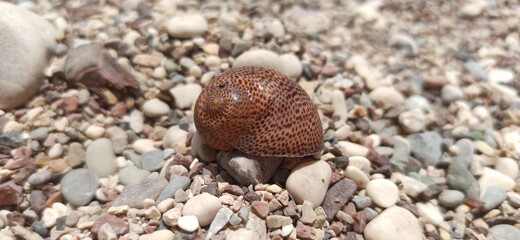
[
  {"x": 460, "y": 178},
  {"x": 106, "y": 232},
  {"x": 155, "y": 108},
  {"x": 508, "y": 167},
  {"x": 152, "y": 160},
  {"x": 292, "y": 66},
  {"x": 119, "y": 138},
  {"x": 430, "y": 213},
  {"x": 172, "y": 216},
  {"x": 473, "y": 8},
  {"x": 49, "y": 217},
  {"x": 383, "y": 192},
  {"x": 261, "y": 209},
  {"x": 451, "y": 198},
  {"x": 94, "y": 132},
  {"x": 493, "y": 197},
  {"x": 492, "y": 177},
  {"x": 175, "y": 138},
  {"x": 287, "y": 229},
  {"x": 361, "y": 202},
  {"x": 187, "y": 26},
  {"x": 277, "y": 221},
  {"x": 136, "y": 121},
  {"x": 220, "y": 221},
  {"x": 55, "y": 151},
  {"x": 175, "y": 184},
  {"x": 147, "y": 60},
  {"x": 357, "y": 175},
  {"x": 426, "y": 147},
  {"x": 394, "y": 223},
  {"x": 503, "y": 232},
  {"x": 259, "y": 57},
  {"x": 315, "y": 176},
  {"x": 132, "y": 175},
  {"x": 188, "y": 223},
  {"x": 451, "y": 93},
  {"x": 100, "y": 157},
  {"x": 40, "y": 177},
  {"x": 351, "y": 149},
  {"x": 79, "y": 186},
  {"x": 337, "y": 196},
  {"x": 206, "y": 214},
  {"x": 501, "y": 75},
  {"x": 39, "y": 228},
  {"x": 162, "y": 234},
  {"x": 135, "y": 195},
  {"x": 76, "y": 155},
  {"x": 412, "y": 121},
  {"x": 185, "y": 95},
  {"x": 248, "y": 169},
  {"x": 276, "y": 28},
  {"x": 386, "y": 97},
  {"x": 305, "y": 232},
  {"x": 300, "y": 20},
  {"x": 308, "y": 214}
]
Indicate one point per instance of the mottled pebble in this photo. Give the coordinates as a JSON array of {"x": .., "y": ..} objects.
[{"x": 315, "y": 176}]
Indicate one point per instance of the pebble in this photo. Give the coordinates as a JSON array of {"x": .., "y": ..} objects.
[
  {"x": 337, "y": 196},
  {"x": 299, "y": 20},
  {"x": 49, "y": 217},
  {"x": 491, "y": 177},
  {"x": 187, "y": 26},
  {"x": 188, "y": 223},
  {"x": 466, "y": 150},
  {"x": 383, "y": 192},
  {"x": 185, "y": 95},
  {"x": 152, "y": 160},
  {"x": 351, "y": 149},
  {"x": 119, "y": 138},
  {"x": 118, "y": 225},
  {"x": 394, "y": 223},
  {"x": 176, "y": 183},
  {"x": 79, "y": 186},
  {"x": 23, "y": 32},
  {"x": 260, "y": 208},
  {"x": 493, "y": 197},
  {"x": 172, "y": 216},
  {"x": 206, "y": 214},
  {"x": 40, "y": 177},
  {"x": 504, "y": 232},
  {"x": 162, "y": 234},
  {"x": 100, "y": 157},
  {"x": 315, "y": 176},
  {"x": 357, "y": 175},
  {"x": 307, "y": 213},
  {"x": 386, "y": 97},
  {"x": 475, "y": 69},
  {"x": 508, "y": 167},
  {"x": 277, "y": 221},
  {"x": 500, "y": 75},
  {"x": 451, "y": 93},
  {"x": 155, "y": 108},
  {"x": 39, "y": 134},
  {"x": 426, "y": 147},
  {"x": 132, "y": 175},
  {"x": 136, "y": 121},
  {"x": 143, "y": 145},
  {"x": 451, "y": 198},
  {"x": 430, "y": 213},
  {"x": 248, "y": 169},
  {"x": 412, "y": 121},
  {"x": 259, "y": 57},
  {"x": 292, "y": 66},
  {"x": 135, "y": 195},
  {"x": 175, "y": 138},
  {"x": 339, "y": 105},
  {"x": 417, "y": 102},
  {"x": 276, "y": 28},
  {"x": 94, "y": 132},
  {"x": 460, "y": 178},
  {"x": 220, "y": 221}
]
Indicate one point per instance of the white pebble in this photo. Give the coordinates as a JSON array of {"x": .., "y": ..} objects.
[
  {"x": 155, "y": 108},
  {"x": 143, "y": 145},
  {"x": 188, "y": 223},
  {"x": 383, "y": 192},
  {"x": 357, "y": 175},
  {"x": 55, "y": 151},
  {"x": 94, "y": 132}
]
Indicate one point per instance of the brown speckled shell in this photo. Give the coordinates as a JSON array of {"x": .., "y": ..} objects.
[{"x": 258, "y": 111}]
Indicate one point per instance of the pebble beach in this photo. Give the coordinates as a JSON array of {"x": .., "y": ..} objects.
[{"x": 418, "y": 100}]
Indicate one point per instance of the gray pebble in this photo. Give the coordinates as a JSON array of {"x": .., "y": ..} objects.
[
  {"x": 219, "y": 222},
  {"x": 235, "y": 220},
  {"x": 466, "y": 150},
  {"x": 132, "y": 175},
  {"x": 39, "y": 227},
  {"x": 504, "y": 232},
  {"x": 361, "y": 202},
  {"x": 134, "y": 157},
  {"x": 493, "y": 197},
  {"x": 370, "y": 213},
  {"x": 79, "y": 186},
  {"x": 451, "y": 198},
  {"x": 475, "y": 70},
  {"x": 38, "y": 178},
  {"x": 175, "y": 184},
  {"x": 460, "y": 178},
  {"x": 152, "y": 160},
  {"x": 417, "y": 101},
  {"x": 426, "y": 147},
  {"x": 39, "y": 134}
]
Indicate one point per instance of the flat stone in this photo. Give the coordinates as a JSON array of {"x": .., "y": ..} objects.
[
  {"x": 135, "y": 195},
  {"x": 220, "y": 221},
  {"x": 185, "y": 95},
  {"x": 79, "y": 186},
  {"x": 451, "y": 198},
  {"x": 152, "y": 160},
  {"x": 173, "y": 186},
  {"x": 337, "y": 196},
  {"x": 132, "y": 175},
  {"x": 9, "y": 194},
  {"x": 260, "y": 208},
  {"x": 40, "y": 177},
  {"x": 76, "y": 155},
  {"x": 426, "y": 147},
  {"x": 394, "y": 223},
  {"x": 277, "y": 221},
  {"x": 100, "y": 157},
  {"x": 316, "y": 176}
]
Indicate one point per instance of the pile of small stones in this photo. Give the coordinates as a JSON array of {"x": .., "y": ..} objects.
[{"x": 419, "y": 102}]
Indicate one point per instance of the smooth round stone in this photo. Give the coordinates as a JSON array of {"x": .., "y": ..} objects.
[
  {"x": 119, "y": 138},
  {"x": 503, "y": 232},
  {"x": 152, "y": 160},
  {"x": 176, "y": 183},
  {"x": 28, "y": 42},
  {"x": 292, "y": 66},
  {"x": 136, "y": 121},
  {"x": 430, "y": 213},
  {"x": 155, "y": 108},
  {"x": 132, "y": 175},
  {"x": 493, "y": 197},
  {"x": 259, "y": 57},
  {"x": 412, "y": 121},
  {"x": 204, "y": 206},
  {"x": 143, "y": 145},
  {"x": 175, "y": 138},
  {"x": 79, "y": 186},
  {"x": 40, "y": 177},
  {"x": 55, "y": 151},
  {"x": 394, "y": 223},
  {"x": 451, "y": 93},
  {"x": 500, "y": 75},
  {"x": 276, "y": 28},
  {"x": 386, "y": 97},
  {"x": 360, "y": 162},
  {"x": 357, "y": 175},
  {"x": 417, "y": 101},
  {"x": 315, "y": 176},
  {"x": 39, "y": 134},
  {"x": 94, "y": 132},
  {"x": 162, "y": 234},
  {"x": 383, "y": 192},
  {"x": 287, "y": 229},
  {"x": 187, "y": 26},
  {"x": 492, "y": 177},
  {"x": 100, "y": 157},
  {"x": 451, "y": 198},
  {"x": 508, "y": 167},
  {"x": 351, "y": 149},
  {"x": 188, "y": 223},
  {"x": 76, "y": 154},
  {"x": 185, "y": 95}
]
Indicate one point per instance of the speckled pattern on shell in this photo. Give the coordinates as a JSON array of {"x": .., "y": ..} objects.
[{"x": 258, "y": 111}]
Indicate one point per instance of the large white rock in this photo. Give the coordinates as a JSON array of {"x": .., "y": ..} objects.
[
  {"x": 394, "y": 223},
  {"x": 309, "y": 181},
  {"x": 26, "y": 43}
]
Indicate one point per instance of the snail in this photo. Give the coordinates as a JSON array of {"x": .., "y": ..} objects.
[{"x": 260, "y": 112}]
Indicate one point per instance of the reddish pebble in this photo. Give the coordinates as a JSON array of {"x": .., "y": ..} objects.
[{"x": 261, "y": 209}]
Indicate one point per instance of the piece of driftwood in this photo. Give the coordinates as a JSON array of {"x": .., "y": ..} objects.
[{"x": 90, "y": 65}]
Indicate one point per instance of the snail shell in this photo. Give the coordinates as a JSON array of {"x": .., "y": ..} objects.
[{"x": 258, "y": 111}]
